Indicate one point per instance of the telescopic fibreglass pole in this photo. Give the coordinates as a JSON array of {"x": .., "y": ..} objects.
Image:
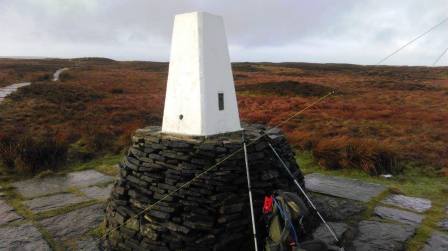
[
  {"x": 249, "y": 187},
  {"x": 304, "y": 194}
]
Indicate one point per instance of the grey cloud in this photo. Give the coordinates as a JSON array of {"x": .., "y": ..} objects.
[{"x": 347, "y": 31}]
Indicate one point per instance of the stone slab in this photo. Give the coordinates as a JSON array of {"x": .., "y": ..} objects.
[
  {"x": 98, "y": 193},
  {"x": 89, "y": 244},
  {"x": 7, "y": 213},
  {"x": 398, "y": 215},
  {"x": 437, "y": 242},
  {"x": 375, "y": 236},
  {"x": 24, "y": 238},
  {"x": 343, "y": 187},
  {"x": 38, "y": 187},
  {"x": 323, "y": 234},
  {"x": 444, "y": 224},
  {"x": 75, "y": 223},
  {"x": 43, "y": 204},
  {"x": 337, "y": 209},
  {"x": 419, "y": 205}
]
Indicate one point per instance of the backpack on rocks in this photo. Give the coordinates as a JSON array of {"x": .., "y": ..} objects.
[{"x": 283, "y": 214}]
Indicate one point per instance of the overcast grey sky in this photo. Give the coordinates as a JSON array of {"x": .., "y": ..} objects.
[{"x": 344, "y": 31}]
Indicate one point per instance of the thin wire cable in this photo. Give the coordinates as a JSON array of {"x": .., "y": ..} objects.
[
  {"x": 440, "y": 57},
  {"x": 412, "y": 41},
  {"x": 217, "y": 164}
]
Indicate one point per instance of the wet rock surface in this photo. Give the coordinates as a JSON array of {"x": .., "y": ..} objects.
[
  {"x": 96, "y": 192},
  {"x": 42, "y": 204},
  {"x": 342, "y": 187},
  {"x": 398, "y": 215},
  {"x": 337, "y": 209},
  {"x": 88, "y": 244},
  {"x": 373, "y": 236},
  {"x": 437, "y": 242},
  {"x": 50, "y": 185},
  {"x": 75, "y": 223},
  {"x": 69, "y": 227},
  {"x": 323, "y": 234},
  {"x": 389, "y": 228},
  {"x": 7, "y": 213},
  {"x": 419, "y": 205},
  {"x": 24, "y": 237},
  {"x": 444, "y": 223}
]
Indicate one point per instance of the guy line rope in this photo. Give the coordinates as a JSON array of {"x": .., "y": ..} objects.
[
  {"x": 439, "y": 57},
  {"x": 265, "y": 133},
  {"x": 412, "y": 41}
]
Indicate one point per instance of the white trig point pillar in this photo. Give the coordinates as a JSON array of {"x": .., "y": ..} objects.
[{"x": 200, "y": 97}]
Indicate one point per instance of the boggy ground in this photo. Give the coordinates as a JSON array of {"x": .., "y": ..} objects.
[{"x": 381, "y": 119}]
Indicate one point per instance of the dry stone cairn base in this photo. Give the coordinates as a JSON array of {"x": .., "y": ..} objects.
[{"x": 212, "y": 213}]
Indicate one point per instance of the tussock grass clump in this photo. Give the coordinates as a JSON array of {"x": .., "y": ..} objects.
[
  {"x": 344, "y": 152},
  {"x": 28, "y": 155}
]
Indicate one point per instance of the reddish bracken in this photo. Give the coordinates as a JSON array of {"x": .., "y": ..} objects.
[{"x": 379, "y": 118}]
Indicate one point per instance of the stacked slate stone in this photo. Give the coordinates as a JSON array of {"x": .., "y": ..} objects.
[{"x": 212, "y": 212}]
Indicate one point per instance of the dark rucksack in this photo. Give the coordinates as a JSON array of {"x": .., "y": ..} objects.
[{"x": 284, "y": 214}]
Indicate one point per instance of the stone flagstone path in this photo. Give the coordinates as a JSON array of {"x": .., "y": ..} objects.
[
  {"x": 416, "y": 204},
  {"x": 5, "y": 91},
  {"x": 58, "y": 73},
  {"x": 344, "y": 188},
  {"x": 43, "y": 204},
  {"x": 73, "y": 205},
  {"x": 38, "y": 187},
  {"x": 393, "y": 222},
  {"x": 75, "y": 223},
  {"x": 7, "y": 213},
  {"x": 22, "y": 237},
  {"x": 438, "y": 241},
  {"x": 444, "y": 223}
]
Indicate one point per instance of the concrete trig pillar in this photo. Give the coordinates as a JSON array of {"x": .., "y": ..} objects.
[{"x": 200, "y": 96}]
